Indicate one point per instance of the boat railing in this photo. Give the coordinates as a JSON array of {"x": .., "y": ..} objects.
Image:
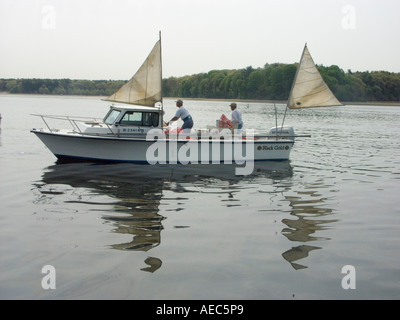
[
  {"x": 282, "y": 137},
  {"x": 73, "y": 121}
]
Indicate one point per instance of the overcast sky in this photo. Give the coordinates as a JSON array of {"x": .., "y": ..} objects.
[{"x": 109, "y": 39}]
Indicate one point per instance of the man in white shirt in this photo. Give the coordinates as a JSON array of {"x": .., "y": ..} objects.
[
  {"x": 236, "y": 121},
  {"x": 184, "y": 115}
]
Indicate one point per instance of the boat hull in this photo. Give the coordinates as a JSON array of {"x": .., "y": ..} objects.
[{"x": 76, "y": 147}]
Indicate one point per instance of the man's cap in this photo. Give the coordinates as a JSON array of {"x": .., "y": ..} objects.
[
  {"x": 233, "y": 105},
  {"x": 179, "y": 101}
]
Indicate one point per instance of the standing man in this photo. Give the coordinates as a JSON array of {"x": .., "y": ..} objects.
[
  {"x": 184, "y": 115},
  {"x": 236, "y": 121}
]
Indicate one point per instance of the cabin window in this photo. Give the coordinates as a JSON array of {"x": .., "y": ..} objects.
[
  {"x": 111, "y": 116},
  {"x": 150, "y": 119},
  {"x": 147, "y": 119},
  {"x": 132, "y": 118}
]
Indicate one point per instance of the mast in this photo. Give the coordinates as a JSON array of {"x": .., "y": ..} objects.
[{"x": 162, "y": 104}]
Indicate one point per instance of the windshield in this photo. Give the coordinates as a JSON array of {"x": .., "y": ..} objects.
[{"x": 112, "y": 116}]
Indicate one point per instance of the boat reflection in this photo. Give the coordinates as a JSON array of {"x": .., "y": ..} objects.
[
  {"x": 309, "y": 214},
  {"x": 137, "y": 191}
]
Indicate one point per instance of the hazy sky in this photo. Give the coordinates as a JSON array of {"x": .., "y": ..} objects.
[{"x": 109, "y": 39}]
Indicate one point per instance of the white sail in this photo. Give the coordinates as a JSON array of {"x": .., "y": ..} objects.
[
  {"x": 145, "y": 86},
  {"x": 309, "y": 89}
]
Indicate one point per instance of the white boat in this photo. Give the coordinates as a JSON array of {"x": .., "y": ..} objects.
[{"x": 135, "y": 132}]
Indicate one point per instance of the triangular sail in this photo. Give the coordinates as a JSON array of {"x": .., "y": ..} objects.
[
  {"x": 309, "y": 89},
  {"x": 145, "y": 86}
]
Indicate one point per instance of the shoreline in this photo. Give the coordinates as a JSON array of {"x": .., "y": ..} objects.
[{"x": 349, "y": 103}]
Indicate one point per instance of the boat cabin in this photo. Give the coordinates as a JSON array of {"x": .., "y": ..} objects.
[
  {"x": 145, "y": 117},
  {"x": 133, "y": 120},
  {"x": 122, "y": 120}
]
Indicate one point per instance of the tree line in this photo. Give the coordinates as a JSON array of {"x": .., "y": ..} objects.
[
  {"x": 274, "y": 82},
  {"x": 61, "y": 86},
  {"x": 271, "y": 82}
]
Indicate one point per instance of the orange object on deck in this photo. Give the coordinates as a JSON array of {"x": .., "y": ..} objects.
[{"x": 224, "y": 122}]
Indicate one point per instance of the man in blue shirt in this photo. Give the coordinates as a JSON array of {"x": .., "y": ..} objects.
[{"x": 184, "y": 115}]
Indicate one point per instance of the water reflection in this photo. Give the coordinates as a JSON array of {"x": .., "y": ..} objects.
[
  {"x": 134, "y": 206},
  {"x": 308, "y": 211},
  {"x": 136, "y": 192}
]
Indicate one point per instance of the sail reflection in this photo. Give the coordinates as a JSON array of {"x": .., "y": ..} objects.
[
  {"x": 144, "y": 227},
  {"x": 136, "y": 192},
  {"x": 309, "y": 212}
]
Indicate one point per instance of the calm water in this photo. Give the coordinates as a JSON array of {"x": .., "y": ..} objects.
[{"x": 140, "y": 232}]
